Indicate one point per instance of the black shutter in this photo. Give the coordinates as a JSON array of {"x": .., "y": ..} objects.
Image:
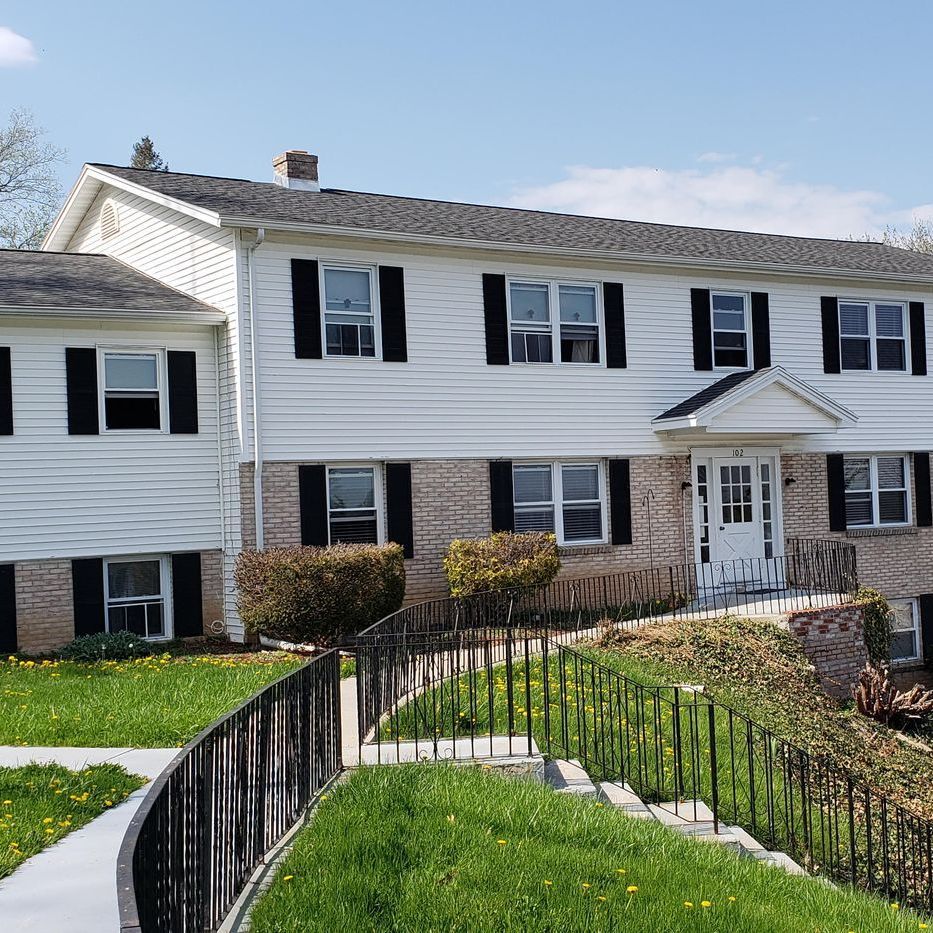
[
  {"x": 8, "y": 641},
  {"x": 702, "y": 329},
  {"x": 614, "y": 308},
  {"x": 81, "y": 375},
  {"x": 922, "y": 484},
  {"x": 87, "y": 586},
  {"x": 6, "y": 392},
  {"x": 306, "y": 309},
  {"x": 497, "y": 323},
  {"x": 761, "y": 330},
  {"x": 187, "y": 610},
  {"x": 926, "y": 626},
  {"x": 398, "y": 506},
  {"x": 829, "y": 312},
  {"x": 918, "y": 339},
  {"x": 500, "y": 491},
  {"x": 620, "y": 502},
  {"x": 392, "y": 314},
  {"x": 836, "y": 488},
  {"x": 182, "y": 392},
  {"x": 312, "y": 497}
]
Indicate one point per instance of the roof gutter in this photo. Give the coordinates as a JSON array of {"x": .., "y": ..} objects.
[
  {"x": 254, "y": 361},
  {"x": 577, "y": 253}
]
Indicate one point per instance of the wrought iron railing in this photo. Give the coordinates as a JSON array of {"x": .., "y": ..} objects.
[
  {"x": 520, "y": 692},
  {"x": 812, "y": 573},
  {"x": 228, "y": 797}
]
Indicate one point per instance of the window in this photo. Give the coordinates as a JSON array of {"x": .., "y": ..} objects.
[
  {"x": 349, "y": 319},
  {"x": 131, "y": 392},
  {"x": 353, "y": 516},
  {"x": 876, "y": 491},
  {"x": 564, "y": 498},
  {"x": 536, "y": 337},
  {"x": 730, "y": 330},
  {"x": 905, "y": 640},
  {"x": 135, "y": 591},
  {"x": 873, "y": 335}
]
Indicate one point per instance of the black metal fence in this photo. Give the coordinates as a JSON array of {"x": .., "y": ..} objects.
[
  {"x": 226, "y": 800},
  {"x": 812, "y": 573},
  {"x": 500, "y": 692}
]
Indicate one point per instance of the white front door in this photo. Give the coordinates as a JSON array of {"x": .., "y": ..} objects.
[{"x": 736, "y": 519}]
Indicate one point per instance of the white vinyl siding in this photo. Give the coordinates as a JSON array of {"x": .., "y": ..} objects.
[
  {"x": 447, "y": 402},
  {"x": 877, "y": 491},
  {"x": 567, "y": 499},
  {"x": 118, "y": 492}
]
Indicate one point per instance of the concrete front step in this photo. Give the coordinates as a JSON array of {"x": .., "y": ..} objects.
[
  {"x": 569, "y": 777},
  {"x": 689, "y": 811},
  {"x": 780, "y": 860}
]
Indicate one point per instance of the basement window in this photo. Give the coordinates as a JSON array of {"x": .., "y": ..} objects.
[
  {"x": 905, "y": 640},
  {"x": 353, "y": 505},
  {"x": 567, "y": 499},
  {"x": 135, "y": 591},
  {"x": 132, "y": 391}
]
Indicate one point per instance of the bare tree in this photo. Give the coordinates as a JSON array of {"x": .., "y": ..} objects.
[
  {"x": 30, "y": 192},
  {"x": 918, "y": 238}
]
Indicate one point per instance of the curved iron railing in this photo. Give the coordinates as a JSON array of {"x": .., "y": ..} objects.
[
  {"x": 226, "y": 799},
  {"x": 492, "y": 675}
]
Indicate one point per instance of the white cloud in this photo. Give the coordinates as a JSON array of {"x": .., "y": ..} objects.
[
  {"x": 15, "y": 50},
  {"x": 732, "y": 197}
]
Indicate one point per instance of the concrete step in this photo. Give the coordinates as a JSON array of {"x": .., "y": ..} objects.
[
  {"x": 749, "y": 843},
  {"x": 569, "y": 777},
  {"x": 618, "y": 795},
  {"x": 780, "y": 860},
  {"x": 691, "y": 811}
]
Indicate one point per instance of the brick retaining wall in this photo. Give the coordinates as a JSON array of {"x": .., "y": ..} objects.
[{"x": 834, "y": 641}]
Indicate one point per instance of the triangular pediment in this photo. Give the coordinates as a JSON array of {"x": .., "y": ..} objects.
[{"x": 766, "y": 401}]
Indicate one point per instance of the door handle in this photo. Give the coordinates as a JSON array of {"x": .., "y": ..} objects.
[{"x": 722, "y": 527}]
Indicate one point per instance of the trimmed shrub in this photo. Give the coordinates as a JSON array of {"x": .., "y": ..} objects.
[
  {"x": 503, "y": 561},
  {"x": 878, "y": 633},
  {"x": 106, "y": 646},
  {"x": 314, "y": 595}
]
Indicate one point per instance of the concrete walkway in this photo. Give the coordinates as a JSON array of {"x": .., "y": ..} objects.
[{"x": 71, "y": 886}]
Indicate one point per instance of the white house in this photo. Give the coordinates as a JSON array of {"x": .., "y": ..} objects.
[{"x": 412, "y": 370}]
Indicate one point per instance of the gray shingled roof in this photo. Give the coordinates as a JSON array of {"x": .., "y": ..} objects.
[
  {"x": 267, "y": 203},
  {"x": 85, "y": 282},
  {"x": 712, "y": 392}
]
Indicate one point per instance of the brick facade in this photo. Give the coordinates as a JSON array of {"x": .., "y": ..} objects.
[
  {"x": 834, "y": 640},
  {"x": 451, "y": 499},
  {"x": 44, "y": 601},
  {"x": 897, "y": 561}
]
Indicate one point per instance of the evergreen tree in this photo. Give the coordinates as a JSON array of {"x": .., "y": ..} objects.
[{"x": 146, "y": 157}]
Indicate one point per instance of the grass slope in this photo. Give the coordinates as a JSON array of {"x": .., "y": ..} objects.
[
  {"x": 146, "y": 703},
  {"x": 39, "y": 804},
  {"x": 427, "y": 848}
]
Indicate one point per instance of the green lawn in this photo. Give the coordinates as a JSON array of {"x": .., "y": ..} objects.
[
  {"x": 39, "y": 804},
  {"x": 430, "y": 848},
  {"x": 153, "y": 702}
]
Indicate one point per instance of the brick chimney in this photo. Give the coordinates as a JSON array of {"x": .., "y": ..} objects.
[{"x": 296, "y": 169}]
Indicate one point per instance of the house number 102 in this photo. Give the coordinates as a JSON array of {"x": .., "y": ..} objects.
[{"x": 738, "y": 452}]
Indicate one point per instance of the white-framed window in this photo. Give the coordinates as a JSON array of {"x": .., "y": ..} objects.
[
  {"x": 354, "y": 505},
  {"x": 350, "y": 320},
  {"x": 730, "y": 330},
  {"x": 131, "y": 389},
  {"x": 905, "y": 630},
  {"x": 876, "y": 491},
  {"x": 136, "y": 593},
  {"x": 566, "y": 498},
  {"x": 873, "y": 335},
  {"x": 554, "y": 322}
]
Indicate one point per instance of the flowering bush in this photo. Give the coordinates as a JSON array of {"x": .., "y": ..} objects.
[
  {"x": 313, "y": 595},
  {"x": 503, "y": 561}
]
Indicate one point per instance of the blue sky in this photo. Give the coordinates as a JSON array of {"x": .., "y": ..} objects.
[{"x": 794, "y": 117}]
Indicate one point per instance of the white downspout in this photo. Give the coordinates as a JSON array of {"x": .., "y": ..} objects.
[{"x": 254, "y": 357}]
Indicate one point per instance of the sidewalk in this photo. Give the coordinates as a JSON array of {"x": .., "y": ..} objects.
[{"x": 71, "y": 886}]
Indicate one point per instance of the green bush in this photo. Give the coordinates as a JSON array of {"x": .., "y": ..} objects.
[
  {"x": 314, "y": 595},
  {"x": 106, "y": 646},
  {"x": 503, "y": 561},
  {"x": 878, "y": 631}
]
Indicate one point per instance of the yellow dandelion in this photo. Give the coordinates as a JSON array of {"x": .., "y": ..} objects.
[
  {"x": 620, "y": 871},
  {"x": 502, "y": 842},
  {"x": 631, "y": 889},
  {"x": 586, "y": 886},
  {"x": 895, "y": 906},
  {"x": 600, "y": 898},
  {"x": 48, "y": 819},
  {"x": 547, "y": 883},
  {"x": 731, "y": 898},
  {"x": 706, "y": 903},
  {"x": 288, "y": 877},
  {"x": 688, "y": 904}
]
